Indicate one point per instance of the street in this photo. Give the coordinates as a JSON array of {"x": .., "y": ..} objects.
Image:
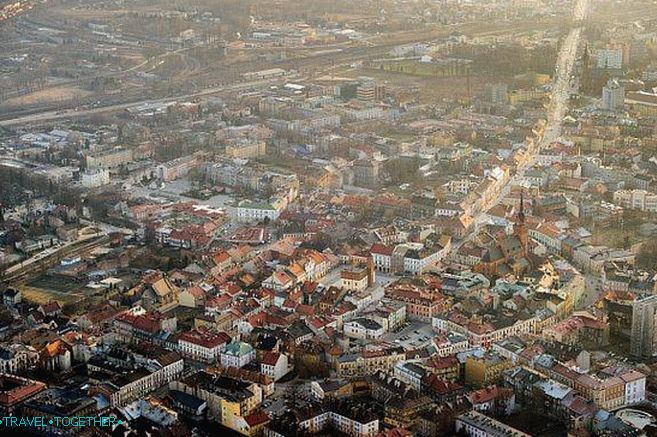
[{"x": 561, "y": 89}]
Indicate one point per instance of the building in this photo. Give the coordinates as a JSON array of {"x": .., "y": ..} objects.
[
  {"x": 237, "y": 354},
  {"x": 56, "y": 402},
  {"x": 369, "y": 361},
  {"x": 635, "y": 387},
  {"x": 176, "y": 168},
  {"x": 411, "y": 373},
  {"x": 358, "y": 277},
  {"x": 16, "y": 390},
  {"x": 125, "y": 385},
  {"x": 421, "y": 305},
  {"x": 95, "y": 178},
  {"x": 17, "y": 358},
  {"x": 613, "y": 95},
  {"x": 636, "y": 199},
  {"x": 330, "y": 388},
  {"x": 274, "y": 365},
  {"x": 229, "y": 401},
  {"x": 364, "y": 329},
  {"x": 495, "y": 94},
  {"x": 642, "y": 102},
  {"x": 246, "y": 149},
  {"x": 390, "y": 315},
  {"x": 642, "y": 340},
  {"x": 366, "y": 172},
  {"x": 109, "y": 159},
  {"x": 251, "y": 211},
  {"x": 369, "y": 90},
  {"x": 382, "y": 257},
  {"x": 486, "y": 369},
  {"x": 476, "y": 424},
  {"x": 351, "y": 421},
  {"x": 609, "y": 58},
  {"x": 510, "y": 252},
  {"x": 201, "y": 345}
]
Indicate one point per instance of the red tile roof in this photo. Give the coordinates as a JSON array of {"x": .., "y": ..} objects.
[
  {"x": 270, "y": 358},
  {"x": 381, "y": 249},
  {"x": 205, "y": 339},
  {"x": 257, "y": 418}
]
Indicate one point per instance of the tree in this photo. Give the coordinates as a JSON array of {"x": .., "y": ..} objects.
[{"x": 647, "y": 257}]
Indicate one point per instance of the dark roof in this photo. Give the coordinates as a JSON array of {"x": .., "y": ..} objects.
[{"x": 187, "y": 400}]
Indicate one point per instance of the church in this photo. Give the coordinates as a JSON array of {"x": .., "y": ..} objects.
[{"x": 508, "y": 254}]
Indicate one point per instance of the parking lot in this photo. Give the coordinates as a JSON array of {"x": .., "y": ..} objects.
[
  {"x": 173, "y": 191},
  {"x": 413, "y": 335}
]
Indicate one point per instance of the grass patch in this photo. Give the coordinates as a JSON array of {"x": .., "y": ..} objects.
[{"x": 41, "y": 296}]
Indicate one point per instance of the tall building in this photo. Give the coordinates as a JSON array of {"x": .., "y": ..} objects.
[
  {"x": 611, "y": 58},
  {"x": 613, "y": 95},
  {"x": 495, "y": 94},
  {"x": 642, "y": 341},
  {"x": 366, "y": 172},
  {"x": 369, "y": 90}
]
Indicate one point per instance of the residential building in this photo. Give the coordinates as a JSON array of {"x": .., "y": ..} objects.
[
  {"x": 613, "y": 95},
  {"x": 202, "y": 345},
  {"x": 274, "y": 365},
  {"x": 477, "y": 424},
  {"x": 644, "y": 317},
  {"x": 363, "y": 328},
  {"x": 237, "y": 354}
]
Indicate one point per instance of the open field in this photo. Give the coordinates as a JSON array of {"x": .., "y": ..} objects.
[
  {"x": 47, "y": 96},
  {"x": 414, "y": 67},
  {"x": 433, "y": 88},
  {"x": 41, "y": 296}
]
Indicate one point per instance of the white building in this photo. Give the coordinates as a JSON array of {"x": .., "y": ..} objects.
[
  {"x": 613, "y": 95},
  {"x": 137, "y": 386},
  {"x": 635, "y": 387},
  {"x": 548, "y": 236},
  {"x": 636, "y": 199},
  {"x": 644, "y": 321},
  {"x": 382, "y": 257},
  {"x": 237, "y": 354},
  {"x": 363, "y": 328},
  {"x": 17, "y": 357},
  {"x": 610, "y": 58},
  {"x": 204, "y": 346},
  {"x": 410, "y": 373},
  {"x": 274, "y": 365},
  {"x": 476, "y": 424},
  {"x": 176, "y": 168},
  {"x": 367, "y": 426},
  {"x": 95, "y": 178},
  {"x": 250, "y": 211}
]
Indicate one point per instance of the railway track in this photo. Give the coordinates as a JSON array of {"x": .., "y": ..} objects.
[{"x": 21, "y": 273}]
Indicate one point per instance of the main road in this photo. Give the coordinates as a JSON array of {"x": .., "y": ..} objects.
[{"x": 561, "y": 91}]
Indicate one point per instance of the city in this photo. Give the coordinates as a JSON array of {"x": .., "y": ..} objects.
[{"x": 281, "y": 218}]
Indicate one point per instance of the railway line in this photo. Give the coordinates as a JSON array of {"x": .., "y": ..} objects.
[{"x": 41, "y": 262}]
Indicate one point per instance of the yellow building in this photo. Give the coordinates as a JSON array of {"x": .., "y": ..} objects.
[
  {"x": 485, "y": 370},
  {"x": 368, "y": 362},
  {"x": 230, "y": 401}
]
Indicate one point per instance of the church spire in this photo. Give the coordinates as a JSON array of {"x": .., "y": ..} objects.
[
  {"x": 520, "y": 228},
  {"x": 521, "y": 212}
]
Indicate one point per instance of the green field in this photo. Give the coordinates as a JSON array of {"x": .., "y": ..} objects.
[{"x": 423, "y": 69}]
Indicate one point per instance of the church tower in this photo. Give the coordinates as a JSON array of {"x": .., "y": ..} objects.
[{"x": 520, "y": 227}]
